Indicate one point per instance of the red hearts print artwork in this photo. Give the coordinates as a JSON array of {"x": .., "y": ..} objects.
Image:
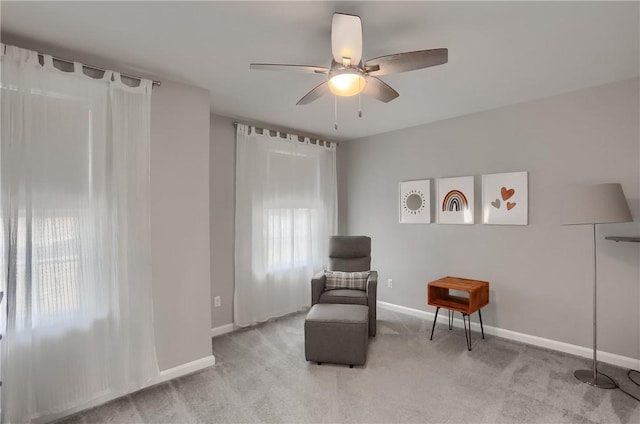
[
  {"x": 505, "y": 198},
  {"x": 506, "y": 194}
]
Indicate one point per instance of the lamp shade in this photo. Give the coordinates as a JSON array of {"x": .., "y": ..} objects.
[{"x": 595, "y": 204}]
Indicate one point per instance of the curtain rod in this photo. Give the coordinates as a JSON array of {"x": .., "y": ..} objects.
[
  {"x": 97, "y": 68},
  {"x": 235, "y": 124}
]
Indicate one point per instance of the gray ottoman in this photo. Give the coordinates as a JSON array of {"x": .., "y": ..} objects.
[{"x": 337, "y": 333}]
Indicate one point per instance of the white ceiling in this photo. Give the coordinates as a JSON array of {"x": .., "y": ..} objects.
[{"x": 500, "y": 53}]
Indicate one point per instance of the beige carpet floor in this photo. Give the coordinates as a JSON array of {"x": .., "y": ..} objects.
[{"x": 261, "y": 376}]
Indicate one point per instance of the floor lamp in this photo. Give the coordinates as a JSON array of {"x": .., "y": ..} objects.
[{"x": 595, "y": 204}]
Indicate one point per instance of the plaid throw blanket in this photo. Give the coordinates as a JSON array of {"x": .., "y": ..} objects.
[{"x": 346, "y": 280}]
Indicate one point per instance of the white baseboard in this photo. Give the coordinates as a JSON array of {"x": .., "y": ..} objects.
[
  {"x": 163, "y": 376},
  {"x": 184, "y": 369},
  {"x": 223, "y": 329},
  {"x": 585, "y": 352}
]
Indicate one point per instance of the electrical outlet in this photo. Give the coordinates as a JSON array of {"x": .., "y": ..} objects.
[
  {"x": 390, "y": 283},
  {"x": 216, "y": 301}
]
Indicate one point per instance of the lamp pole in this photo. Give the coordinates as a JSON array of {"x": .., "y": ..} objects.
[
  {"x": 595, "y": 308},
  {"x": 588, "y": 376}
]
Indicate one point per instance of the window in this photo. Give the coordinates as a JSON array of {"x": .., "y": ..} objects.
[
  {"x": 291, "y": 213},
  {"x": 288, "y": 236},
  {"x": 54, "y": 251}
]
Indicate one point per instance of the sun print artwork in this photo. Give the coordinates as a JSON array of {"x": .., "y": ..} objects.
[
  {"x": 505, "y": 198},
  {"x": 415, "y": 202},
  {"x": 455, "y": 200}
]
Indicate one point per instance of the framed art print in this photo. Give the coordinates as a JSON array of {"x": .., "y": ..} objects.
[
  {"x": 505, "y": 199},
  {"x": 415, "y": 204},
  {"x": 455, "y": 200}
]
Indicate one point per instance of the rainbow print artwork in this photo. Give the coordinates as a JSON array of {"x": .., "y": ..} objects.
[{"x": 455, "y": 201}]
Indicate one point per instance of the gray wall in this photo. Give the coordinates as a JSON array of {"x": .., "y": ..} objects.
[
  {"x": 180, "y": 223},
  {"x": 222, "y": 184},
  {"x": 540, "y": 274}
]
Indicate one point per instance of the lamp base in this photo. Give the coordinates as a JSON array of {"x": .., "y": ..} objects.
[{"x": 601, "y": 382}]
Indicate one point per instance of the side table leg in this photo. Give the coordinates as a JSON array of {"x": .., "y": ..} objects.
[
  {"x": 434, "y": 322},
  {"x": 467, "y": 336},
  {"x": 481, "y": 328},
  {"x": 450, "y": 319}
]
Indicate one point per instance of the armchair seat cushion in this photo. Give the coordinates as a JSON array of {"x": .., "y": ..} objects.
[{"x": 349, "y": 296}]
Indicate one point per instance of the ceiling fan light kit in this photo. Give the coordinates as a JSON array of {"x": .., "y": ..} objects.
[
  {"x": 346, "y": 81},
  {"x": 347, "y": 75}
]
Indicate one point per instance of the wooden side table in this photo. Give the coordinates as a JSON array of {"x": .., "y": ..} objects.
[{"x": 439, "y": 296}]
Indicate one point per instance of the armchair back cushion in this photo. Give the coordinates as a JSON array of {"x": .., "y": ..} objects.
[{"x": 350, "y": 253}]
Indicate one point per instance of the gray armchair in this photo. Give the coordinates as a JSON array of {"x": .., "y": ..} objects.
[{"x": 349, "y": 254}]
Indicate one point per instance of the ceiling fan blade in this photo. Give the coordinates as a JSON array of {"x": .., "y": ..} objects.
[
  {"x": 409, "y": 61},
  {"x": 295, "y": 68},
  {"x": 313, "y": 95},
  {"x": 379, "y": 90},
  {"x": 346, "y": 38}
]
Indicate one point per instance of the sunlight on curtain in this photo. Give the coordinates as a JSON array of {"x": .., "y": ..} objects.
[
  {"x": 74, "y": 169},
  {"x": 286, "y": 209}
]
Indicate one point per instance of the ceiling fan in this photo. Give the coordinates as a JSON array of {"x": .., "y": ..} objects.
[{"x": 349, "y": 74}]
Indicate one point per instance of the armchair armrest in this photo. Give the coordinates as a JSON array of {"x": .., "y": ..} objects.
[
  {"x": 317, "y": 287},
  {"x": 372, "y": 284},
  {"x": 372, "y": 299}
]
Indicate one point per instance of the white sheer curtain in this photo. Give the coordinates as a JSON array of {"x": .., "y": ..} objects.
[
  {"x": 286, "y": 209},
  {"x": 75, "y": 237}
]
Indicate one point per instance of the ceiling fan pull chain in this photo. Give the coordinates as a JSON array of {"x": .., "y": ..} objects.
[
  {"x": 335, "y": 112},
  {"x": 359, "y": 106}
]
